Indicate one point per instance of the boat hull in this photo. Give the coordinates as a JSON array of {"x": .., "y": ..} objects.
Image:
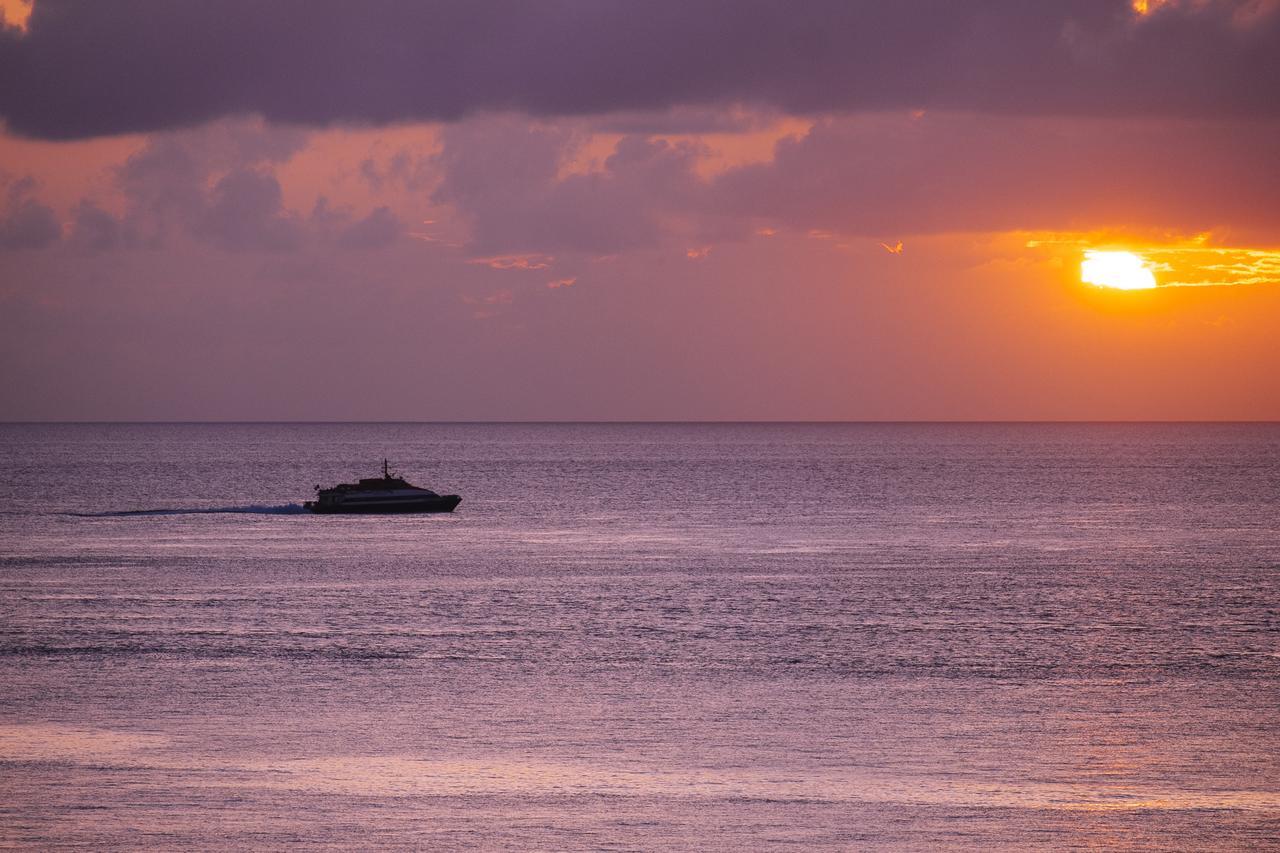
[{"x": 439, "y": 503}]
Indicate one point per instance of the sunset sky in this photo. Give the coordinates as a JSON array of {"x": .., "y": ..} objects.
[{"x": 583, "y": 209}]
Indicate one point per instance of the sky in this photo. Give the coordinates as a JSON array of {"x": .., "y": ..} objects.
[{"x": 648, "y": 210}]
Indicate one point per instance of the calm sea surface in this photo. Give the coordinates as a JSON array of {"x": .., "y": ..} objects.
[{"x": 643, "y": 637}]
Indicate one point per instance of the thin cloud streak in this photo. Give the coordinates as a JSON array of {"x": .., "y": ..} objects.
[{"x": 1197, "y": 266}]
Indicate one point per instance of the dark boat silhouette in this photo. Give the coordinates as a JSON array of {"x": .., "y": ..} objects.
[{"x": 388, "y": 493}]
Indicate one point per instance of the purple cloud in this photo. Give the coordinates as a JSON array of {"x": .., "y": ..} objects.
[
  {"x": 946, "y": 173},
  {"x": 95, "y": 230},
  {"x": 219, "y": 186},
  {"x": 25, "y": 222},
  {"x": 246, "y": 212},
  {"x": 380, "y": 228},
  {"x": 873, "y": 176},
  {"x": 504, "y": 176},
  {"x": 87, "y": 69}
]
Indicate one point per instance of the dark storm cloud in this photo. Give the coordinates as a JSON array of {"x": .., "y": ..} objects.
[{"x": 92, "y": 68}]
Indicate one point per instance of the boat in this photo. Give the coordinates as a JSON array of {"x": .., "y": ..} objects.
[{"x": 388, "y": 493}]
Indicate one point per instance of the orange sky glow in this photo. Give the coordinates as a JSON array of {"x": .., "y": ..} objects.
[
  {"x": 15, "y": 13},
  {"x": 715, "y": 258}
]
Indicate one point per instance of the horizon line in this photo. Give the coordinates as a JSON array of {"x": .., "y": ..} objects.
[{"x": 654, "y": 422}]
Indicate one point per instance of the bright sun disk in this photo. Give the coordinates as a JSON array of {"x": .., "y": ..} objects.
[{"x": 1121, "y": 270}]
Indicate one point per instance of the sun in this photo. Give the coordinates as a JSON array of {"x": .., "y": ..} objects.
[{"x": 1121, "y": 270}]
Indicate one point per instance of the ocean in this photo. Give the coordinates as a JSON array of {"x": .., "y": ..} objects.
[{"x": 642, "y": 637}]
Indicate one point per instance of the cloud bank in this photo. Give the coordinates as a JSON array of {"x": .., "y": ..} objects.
[{"x": 89, "y": 69}]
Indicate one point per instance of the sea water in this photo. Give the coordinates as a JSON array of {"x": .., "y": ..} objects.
[{"x": 657, "y": 636}]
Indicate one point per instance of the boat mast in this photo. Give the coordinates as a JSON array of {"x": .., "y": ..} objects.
[{"x": 385, "y": 475}]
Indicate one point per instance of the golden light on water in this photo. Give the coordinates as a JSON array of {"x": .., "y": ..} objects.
[{"x": 1119, "y": 270}]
